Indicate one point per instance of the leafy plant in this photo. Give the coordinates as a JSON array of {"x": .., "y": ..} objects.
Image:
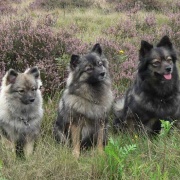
[
  {"x": 166, "y": 126},
  {"x": 117, "y": 156}
]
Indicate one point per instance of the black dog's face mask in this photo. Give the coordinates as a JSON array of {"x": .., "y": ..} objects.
[
  {"x": 157, "y": 62},
  {"x": 161, "y": 65}
]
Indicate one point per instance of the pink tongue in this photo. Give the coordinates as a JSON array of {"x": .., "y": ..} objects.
[{"x": 167, "y": 76}]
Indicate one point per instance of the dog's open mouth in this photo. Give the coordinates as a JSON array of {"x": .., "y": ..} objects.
[
  {"x": 163, "y": 76},
  {"x": 167, "y": 76}
]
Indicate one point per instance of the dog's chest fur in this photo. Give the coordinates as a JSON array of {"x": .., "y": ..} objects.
[
  {"x": 92, "y": 108},
  {"x": 17, "y": 119},
  {"x": 155, "y": 106}
]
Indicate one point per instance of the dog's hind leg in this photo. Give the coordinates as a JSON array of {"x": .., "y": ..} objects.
[
  {"x": 19, "y": 148},
  {"x": 8, "y": 144},
  {"x": 5, "y": 139}
]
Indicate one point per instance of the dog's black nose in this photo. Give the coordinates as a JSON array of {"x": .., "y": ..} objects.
[
  {"x": 102, "y": 74},
  {"x": 168, "y": 69},
  {"x": 32, "y": 100}
]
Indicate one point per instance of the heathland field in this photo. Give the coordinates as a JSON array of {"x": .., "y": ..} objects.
[{"x": 45, "y": 33}]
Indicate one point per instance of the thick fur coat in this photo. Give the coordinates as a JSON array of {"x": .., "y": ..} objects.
[
  {"x": 86, "y": 101},
  {"x": 21, "y": 109},
  {"x": 155, "y": 93}
]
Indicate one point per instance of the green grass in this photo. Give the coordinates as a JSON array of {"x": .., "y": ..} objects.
[
  {"x": 125, "y": 157},
  {"x": 150, "y": 159}
]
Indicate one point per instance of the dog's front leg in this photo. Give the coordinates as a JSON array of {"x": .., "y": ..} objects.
[
  {"x": 75, "y": 134},
  {"x": 28, "y": 148},
  {"x": 101, "y": 136}
]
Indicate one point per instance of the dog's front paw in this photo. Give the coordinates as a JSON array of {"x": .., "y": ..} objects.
[{"x": 76, "y": 153}]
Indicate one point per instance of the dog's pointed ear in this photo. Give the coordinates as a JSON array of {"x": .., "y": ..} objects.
[
  {"x": 145, "y": 48},
  {"x": 165, "y": 41},
  {"x": 11, "y": 76},
  {"x": 97, "y": 49},
  {"x": 75, "y": 60},
  {"x": 34, "y": 71}
]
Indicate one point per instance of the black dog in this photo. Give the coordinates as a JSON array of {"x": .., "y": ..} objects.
[{"x": 154, "y": 96}]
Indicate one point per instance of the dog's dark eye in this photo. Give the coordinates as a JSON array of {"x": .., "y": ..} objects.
[
  {"x": 100, "y": 63},
  {"x": 168, "y": 59},
  {"x": 21, "y": 91},
  {"x": 156, "y": 63},
  {"x": 89, "y": 69},
  {"x": 34, "y": 89}
]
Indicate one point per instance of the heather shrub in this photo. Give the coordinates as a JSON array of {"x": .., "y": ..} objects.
[
  {"x": 110, "y": 47},
  {"x": 51, "y": 4},
  {"x": 71, "y": 44},
  {"x": 153, "y": 5},
  {"x": 145, "y": 24},
  {"x": 23, "y": 44},
  {"x": 133, "y": 6},
  {"x": 124, "y": 28},
  {"x": 6, "y": 8},
  {"x": 150, "y": 20},
  {"x": 172, "y": 6},
  {"x": 174, "y": 28},
  {"x": 129, "y": 6},
  {"x": 14, "y": 1},
  {"x": 122, "y": 62}
]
